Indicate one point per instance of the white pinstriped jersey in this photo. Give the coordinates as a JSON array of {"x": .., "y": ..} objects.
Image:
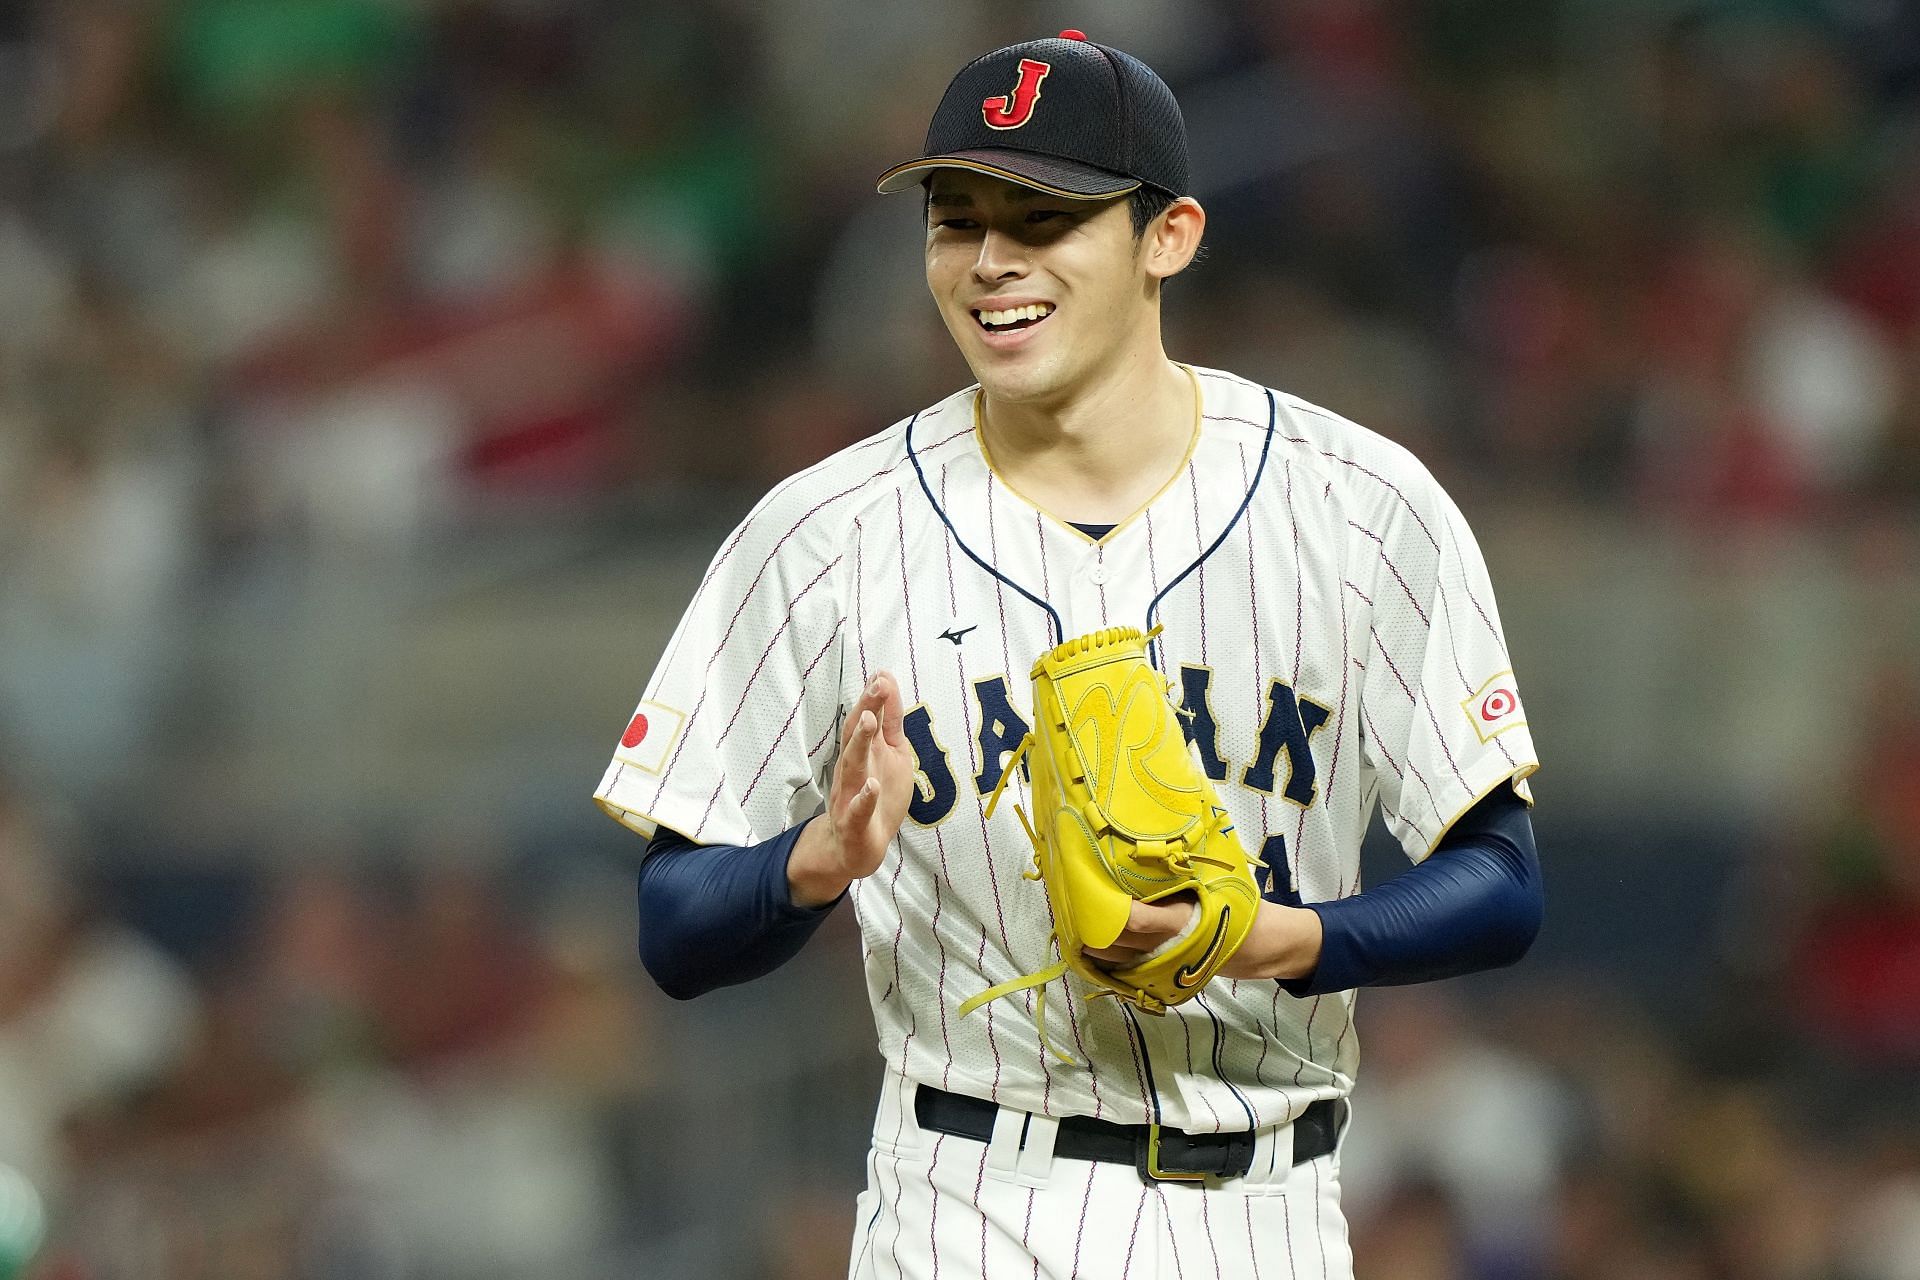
[{"x": 1328, "y": 621}]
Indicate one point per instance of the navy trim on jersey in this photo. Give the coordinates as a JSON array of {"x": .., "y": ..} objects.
[
  {"x": 1219, "y": 1069},
  {"x": 1266, "y": 447},
  {"x": 1059, "y": 628},
  {"x": 1146, "y": 1061}
]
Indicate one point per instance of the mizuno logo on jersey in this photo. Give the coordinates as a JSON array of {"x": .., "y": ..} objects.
[{"x": 953, "y": 635}]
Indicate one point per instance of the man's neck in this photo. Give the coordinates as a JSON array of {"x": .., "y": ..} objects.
[{"x": 1101, "y": 456}]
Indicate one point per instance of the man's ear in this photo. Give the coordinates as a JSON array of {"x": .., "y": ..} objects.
[{"x": 1174, "y": 237}]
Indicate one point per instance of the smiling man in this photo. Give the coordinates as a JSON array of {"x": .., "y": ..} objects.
[{"x": 846, "y": 688}]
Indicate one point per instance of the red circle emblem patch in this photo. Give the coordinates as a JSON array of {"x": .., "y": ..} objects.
[
  {"x": 1499, "y": 703},
  {"x": 636, "y": 732}
]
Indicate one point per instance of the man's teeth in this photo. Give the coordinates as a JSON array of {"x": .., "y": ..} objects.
[{"x": 1013, "y": 315}]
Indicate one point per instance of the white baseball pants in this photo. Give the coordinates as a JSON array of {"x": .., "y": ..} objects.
[{"x": 940, "y": 1207}]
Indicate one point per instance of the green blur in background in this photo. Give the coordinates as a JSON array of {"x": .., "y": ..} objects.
[
  {"x": 377, "y": 378},
  {"x": 23, "y": 1223}
]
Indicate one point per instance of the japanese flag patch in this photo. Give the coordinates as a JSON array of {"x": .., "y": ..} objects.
[
  {"x": 1495, "y": 707},
  {"x": 649, "y": 736}
]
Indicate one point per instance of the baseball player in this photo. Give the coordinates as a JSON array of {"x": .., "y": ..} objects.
[{"x": 843, "y": 693}]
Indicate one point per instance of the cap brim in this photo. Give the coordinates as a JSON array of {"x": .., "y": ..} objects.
[{"x": 1051, "y": 174}]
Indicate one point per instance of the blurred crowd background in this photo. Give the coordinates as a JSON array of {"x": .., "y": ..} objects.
[{"x": 376, "y": 377}]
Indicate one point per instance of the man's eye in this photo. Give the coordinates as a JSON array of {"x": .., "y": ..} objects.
[
  {"x": 955, "y": 224},
  {"x": 1044, "y": 215}
]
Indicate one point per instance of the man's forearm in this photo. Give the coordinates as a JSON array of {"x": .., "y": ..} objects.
[
  {"x": 1476, "y": 903},
  {"x": 717, "y": 915},
  {"x": 812, "y": 881}
]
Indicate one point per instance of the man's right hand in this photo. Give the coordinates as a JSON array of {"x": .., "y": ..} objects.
[{"x": 873, "y": 783}]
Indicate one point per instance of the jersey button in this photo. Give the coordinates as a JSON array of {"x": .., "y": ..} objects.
[{"x": 1097, "y": 574}]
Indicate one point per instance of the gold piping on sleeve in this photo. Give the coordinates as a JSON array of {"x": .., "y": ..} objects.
[
  {"x": 628, "y": 818},
  {"x": 1517, "y": 775},
  {"x": 1193, "y": 444}
]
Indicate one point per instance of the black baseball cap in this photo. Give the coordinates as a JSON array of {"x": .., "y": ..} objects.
[{"x": 1066, "y": 116}]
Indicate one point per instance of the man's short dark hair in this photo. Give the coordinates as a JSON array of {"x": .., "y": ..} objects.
[{"x": 1146, "y": 203}]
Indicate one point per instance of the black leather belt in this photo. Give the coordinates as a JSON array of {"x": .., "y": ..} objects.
[{"x": 1160, "y": 1154}]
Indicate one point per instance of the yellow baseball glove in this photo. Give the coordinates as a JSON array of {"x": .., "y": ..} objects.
[{"x": 1122, "y": 812}]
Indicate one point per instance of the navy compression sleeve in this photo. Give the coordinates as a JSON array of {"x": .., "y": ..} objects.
[
  {"x": 716, "y": 915},
  {"x": 1475, "y": 903}
]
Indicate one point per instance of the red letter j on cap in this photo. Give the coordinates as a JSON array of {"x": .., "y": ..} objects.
[{"x": 1011, "y": 110}]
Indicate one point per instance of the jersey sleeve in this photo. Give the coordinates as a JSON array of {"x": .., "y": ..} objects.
[
  {"x": 733, "y": 739},
  {"x": 1441, "y": 724}
]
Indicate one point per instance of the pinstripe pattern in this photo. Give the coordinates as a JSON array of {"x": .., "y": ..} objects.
[
  {"x": 1026, "y": 1230},
  {"x": 979, "y": 1182},
  {"x": 1136, "y": 1053},
  {"x": 1286, "y": 1218},
  {"x": 1453, "y": 649},
  {"x": 1253, "y": 619},
  {"x": 1206, "y": 1224},
  {"x": 739, "y": 535},
  {"x": 939, "y": 837},
  {"x": 1106, "y": 614},
  {"x": 1199, "y": 540},
  {"x": 1433, "y": 801},
  {"x": 1253, "y": 1244},
  {"x": 973, "y": 766},
  {"x": 1260, "y": 683},
  {"x": 864, "y": 1239},
  {"x": 1387, "y": 560},
  {"x": 761, "y": 664},
  {"x": 1080, "y": 1228},
  {"x": 1173, "y": 1242},
  {"x": 700, "y": 705},
  {"x": 1133, "y": 1233},
  {"x": 866, "y": 674},
  {"x": 900, "y": 1217},
  {"x": 1213, "y": 1124},
  {"x": 1386, "y": 753},
  {"x": 1010, "y": 670},
  {"x": 746, "y": 597},
  {"x": 1298, "y": 847},
  {"x": 1319, "y": 1226},
  {"x": 860, "y": 563},
  {"x": 935, "y": 1207},
  {"x": 805, "y": 674}
]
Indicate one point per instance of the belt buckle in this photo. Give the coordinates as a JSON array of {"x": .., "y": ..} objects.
[{"x": 1158, "y": 1164}]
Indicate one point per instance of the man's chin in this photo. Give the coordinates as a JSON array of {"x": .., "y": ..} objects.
[{"x": 1018, "y": 382}]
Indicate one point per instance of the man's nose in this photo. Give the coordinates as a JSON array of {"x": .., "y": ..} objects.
[{"x": 1002, "y": 256}]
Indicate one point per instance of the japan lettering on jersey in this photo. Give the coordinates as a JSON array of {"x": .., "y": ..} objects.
[{"x": 1329, "y": 628}]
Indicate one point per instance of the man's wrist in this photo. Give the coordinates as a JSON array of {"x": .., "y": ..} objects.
[
  {"x": 812, "y": 878},
  {"x": 1283, "y": 944}
]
